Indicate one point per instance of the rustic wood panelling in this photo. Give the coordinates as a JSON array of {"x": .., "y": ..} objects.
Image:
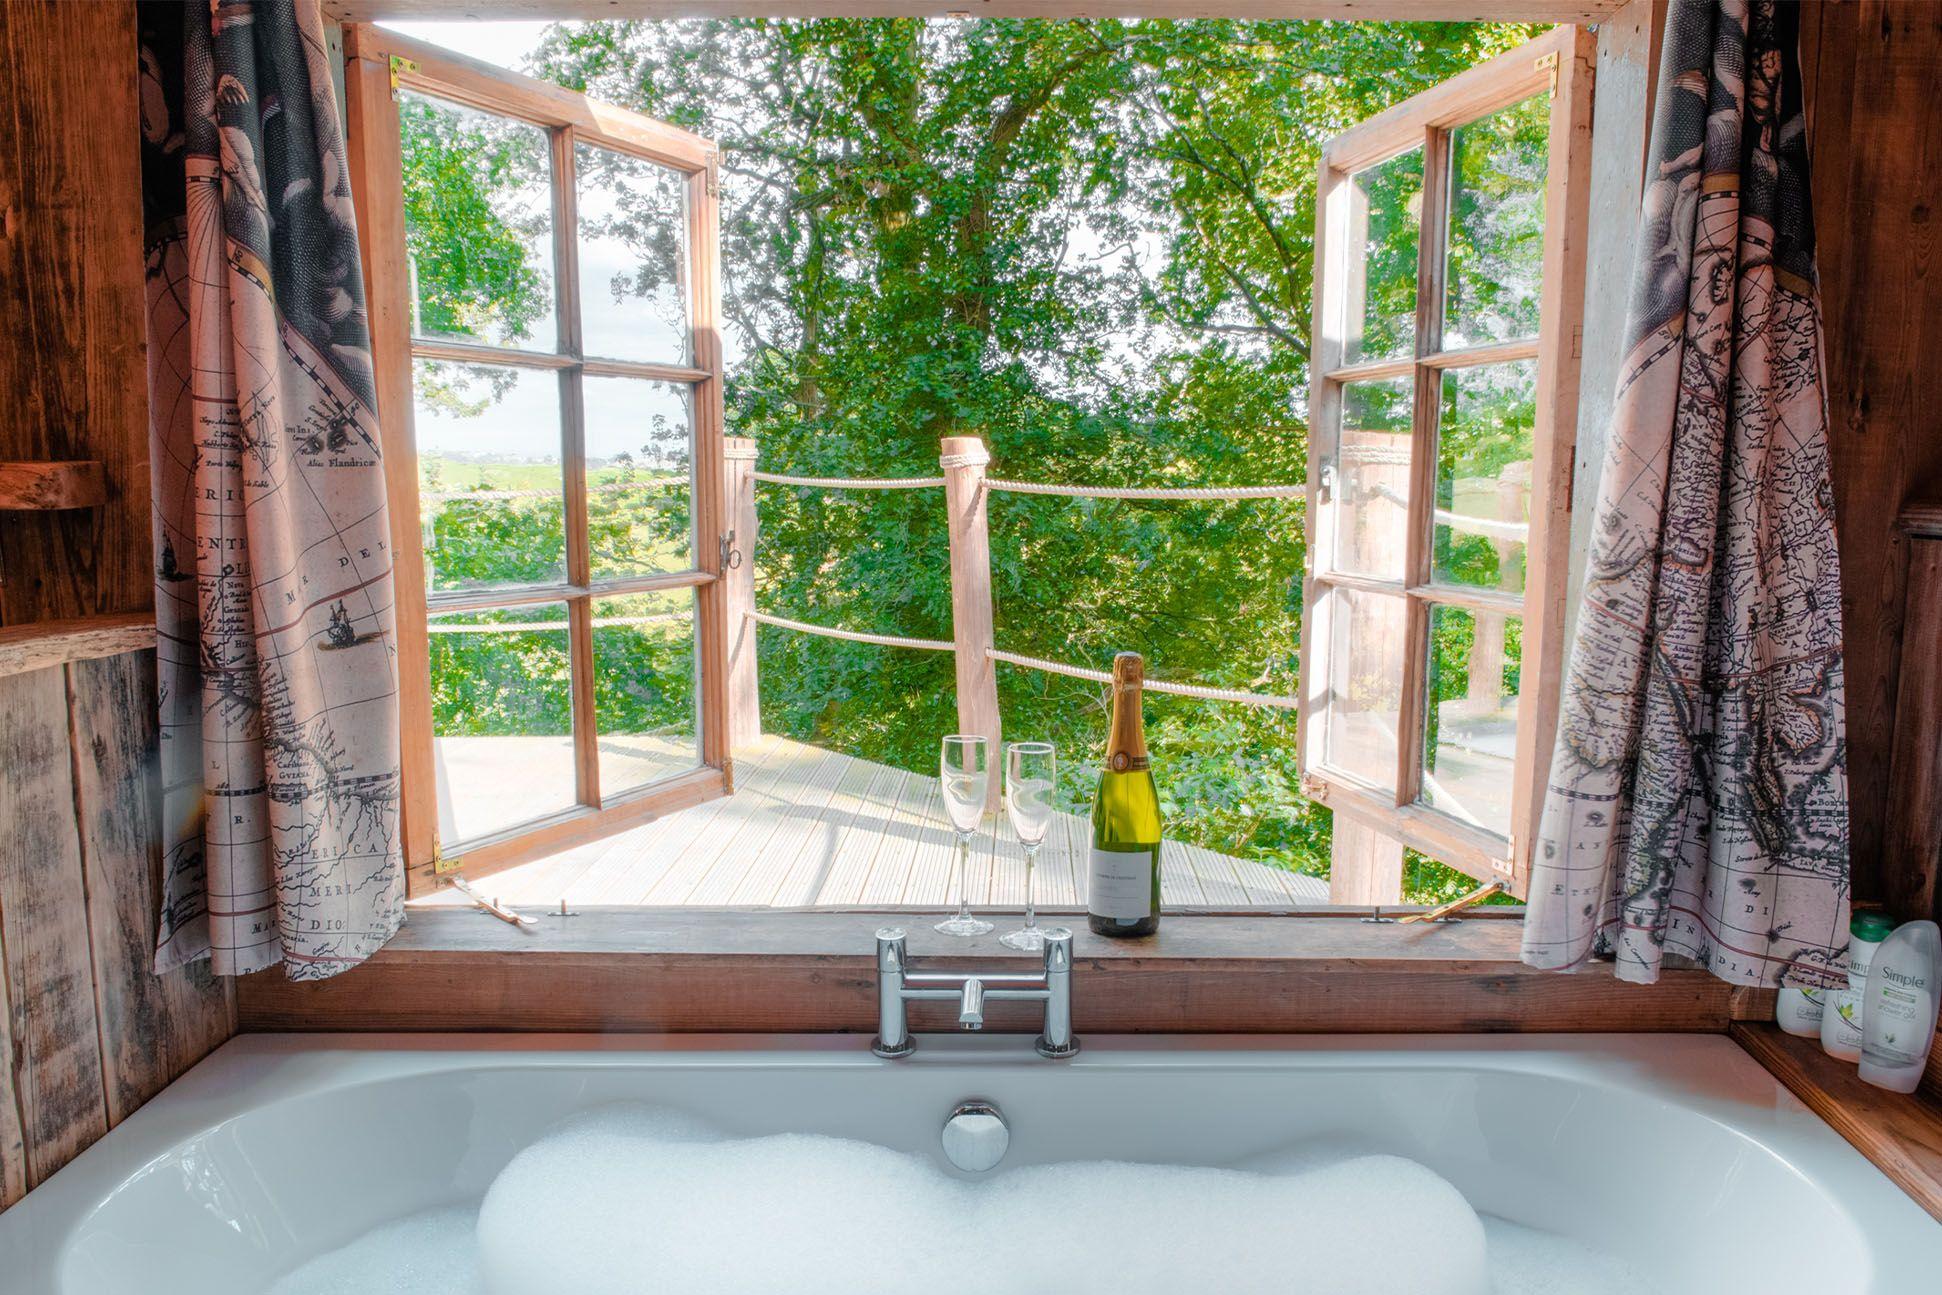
[
  {"x": 1871, "y": 68},
  {"x": 87, "y": 1031},
  {"x": 152, "y": 1027},
  {"x": 44, "y": 927},
  {"x": 1912, "y": 852},
  {"x": 73, "y": 383}
]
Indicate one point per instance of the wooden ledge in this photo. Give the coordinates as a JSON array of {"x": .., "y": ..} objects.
[
  {"x": 41, "y": 644},
  {"x": 699, "y": 970},
  {"x": 46, "y": 486},
  {"x": 1900, "y": 1133}
]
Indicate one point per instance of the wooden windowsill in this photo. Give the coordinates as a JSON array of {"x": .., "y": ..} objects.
[
  {"x": 40, "y": 644},
  {"x": 702, "y": 970},
  {"x": 1900, "y": 1133}
]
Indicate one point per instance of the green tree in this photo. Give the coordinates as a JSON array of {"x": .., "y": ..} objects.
[{"x": 1089, "y": 243}]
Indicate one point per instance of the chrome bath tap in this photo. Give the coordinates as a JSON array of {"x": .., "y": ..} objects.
[{"x": 897, "y": 985}]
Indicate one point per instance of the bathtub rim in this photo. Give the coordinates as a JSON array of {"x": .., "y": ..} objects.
[{"x": 1708, "y": 1076}]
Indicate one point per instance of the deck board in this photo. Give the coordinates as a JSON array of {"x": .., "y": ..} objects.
[{"x": 808, "y": 828}]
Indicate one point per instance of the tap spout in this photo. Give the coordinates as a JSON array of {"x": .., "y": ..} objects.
[{"x": 971, "y": 1004}]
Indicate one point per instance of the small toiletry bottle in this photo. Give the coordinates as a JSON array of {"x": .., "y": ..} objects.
[
  {"x": 1841, "y": 1015},
  {"x": 1797, "y": 1010},
  {"x": 1899, "y": 1007}
]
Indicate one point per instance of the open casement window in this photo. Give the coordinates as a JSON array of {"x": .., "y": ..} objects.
[
  {"x": 1449, "y": 289},
  {"x": 542, "y": 273}
]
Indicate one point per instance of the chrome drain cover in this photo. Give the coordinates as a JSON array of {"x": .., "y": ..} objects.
[{"x": 975, "y": 1136}]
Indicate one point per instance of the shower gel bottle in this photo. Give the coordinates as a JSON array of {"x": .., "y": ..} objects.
[{"x": 1900, "y": 1006}]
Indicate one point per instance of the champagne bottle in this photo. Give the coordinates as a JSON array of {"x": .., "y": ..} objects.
[{"x": 1123, "y": 879}]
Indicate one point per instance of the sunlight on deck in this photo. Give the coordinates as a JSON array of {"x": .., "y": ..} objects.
[{"x": 808, "y": 828}]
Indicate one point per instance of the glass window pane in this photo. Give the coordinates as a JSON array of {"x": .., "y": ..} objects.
[
  {"x": 1483, "y": 476},
  {"x": 1372, "y": 478},
  {"x": 640, "y": 476},
  {"x": 1385, "y": 215},
  {"x": 502, "y": 718},
  {"x": 633, "y": 258},
  {"x": 478, "y": 225},
  {"x": 1368, "y": 635},
  {"x": 1495, "y": 265},
  {"x": 491, "y": 501},
  {"x": 1471, "y": 747},
  {"x": 644, "y": 688}
]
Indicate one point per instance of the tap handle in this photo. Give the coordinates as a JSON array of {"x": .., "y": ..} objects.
[
  {"x": 891, "y": 955},
  {"x": 1058, "y": 951}
]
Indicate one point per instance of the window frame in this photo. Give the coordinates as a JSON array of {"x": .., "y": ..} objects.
[
  {"x": 1561, "y": 61},
  {"x": 377, "y": 63}
]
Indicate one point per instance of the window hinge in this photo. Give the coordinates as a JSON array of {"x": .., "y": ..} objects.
[
  {"x": 1549, "y": 62},
  {"x": 731, "y": 556},
  {"x": 399, "y": 63},
  {"x": 1313, "y": 788},
  {"x": 1507, "y": 865}
]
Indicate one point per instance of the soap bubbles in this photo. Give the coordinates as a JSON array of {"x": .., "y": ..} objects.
[{"x": 634, "y": 1199}]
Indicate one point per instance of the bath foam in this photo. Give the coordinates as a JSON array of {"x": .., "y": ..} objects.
[
  {"x": 1525, "y": 1261},
  {"x": 432, "y": 1253},
  {"x": 637, "y": 1200}
]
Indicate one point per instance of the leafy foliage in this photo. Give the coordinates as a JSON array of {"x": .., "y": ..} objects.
[{"x": 1088, "y": 243}]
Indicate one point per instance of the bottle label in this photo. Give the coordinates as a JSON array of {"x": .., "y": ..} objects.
[
  {"x": 1120, "y": 884},
  {"x": 1841, "y": 1021},
  {"x": 1902, "y": 1011},
  {"x": 1124, "y": 763}
]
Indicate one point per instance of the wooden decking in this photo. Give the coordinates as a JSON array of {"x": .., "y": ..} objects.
[{"x": 808, "y": 828}]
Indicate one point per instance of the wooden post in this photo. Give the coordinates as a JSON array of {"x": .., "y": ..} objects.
[
  {"x": 1365, "y": 867},
  {"x": 963, "y": 459},
  {"x": 738, "y": 584}
]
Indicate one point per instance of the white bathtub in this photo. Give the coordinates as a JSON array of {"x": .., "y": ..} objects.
[{"x": 1677, "y": 1150}]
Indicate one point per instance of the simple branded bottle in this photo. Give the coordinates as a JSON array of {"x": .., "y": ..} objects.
[
  {"x": 1123, "y": 879},
  {"x": 1798, "y": 1009},
  {"x": 1900, "y": 1007},
  {"x": 1843, "y": 1012}
]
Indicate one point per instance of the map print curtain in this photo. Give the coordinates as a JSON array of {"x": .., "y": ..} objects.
[
  {"x": 273, "y": 571},
  {"x": 1697, "y": 801}
]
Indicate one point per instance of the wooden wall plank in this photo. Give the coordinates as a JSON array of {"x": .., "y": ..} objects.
[
  {"x": 44, "y": 928},
  {"x": 73, "y": 381},
  {"x": 13, "y": 1143},
  {"x": 152, "y": 1027},
  {"x": 1912, "y": 847},
  {"x": 1871, "y": 67}
]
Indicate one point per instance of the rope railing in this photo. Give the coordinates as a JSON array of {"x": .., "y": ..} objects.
[
  {"x": 1238, "y": 695},
  {"x": 849, "y": 483},
  {"x": 1147, "y": 492},
  {"x": 965, "y": 453},
  {"x": 852, "y": 636},
  {"x": 1241, "y": 696}
]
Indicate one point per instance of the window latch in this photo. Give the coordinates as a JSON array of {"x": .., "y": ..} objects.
[
  {"x": 731, "y": 556},
  {"x": 1325, "y": 487}
]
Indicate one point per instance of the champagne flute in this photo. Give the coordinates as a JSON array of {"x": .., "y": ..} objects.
[
  {"x": 1031, "y": 772},
  {"x": 964, "y": 771}
]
